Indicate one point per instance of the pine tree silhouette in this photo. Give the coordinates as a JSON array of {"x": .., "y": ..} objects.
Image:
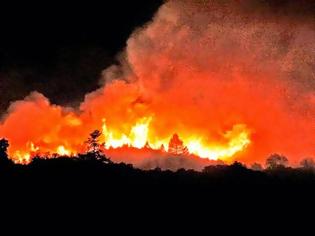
[
  {"x": 95, "y": 148},
  {"x": 176, "y": 146}
]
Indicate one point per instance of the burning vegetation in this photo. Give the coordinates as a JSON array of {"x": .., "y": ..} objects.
[{"x": 199, "y": 80}]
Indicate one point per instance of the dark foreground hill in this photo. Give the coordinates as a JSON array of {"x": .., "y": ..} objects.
[
  {"x": 65, "y": 175},
  {"x": 89, "y": 190}
]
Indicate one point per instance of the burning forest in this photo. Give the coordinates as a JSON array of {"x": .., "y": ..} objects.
[{"x": 203, "y": 80}]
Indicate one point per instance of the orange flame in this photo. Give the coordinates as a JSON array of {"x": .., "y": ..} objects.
[
  {"x": 139, "y": 136},
  {"x": 231, "y": 88}
]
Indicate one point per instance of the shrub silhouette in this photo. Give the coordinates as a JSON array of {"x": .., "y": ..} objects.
[{"x": 276, "y": 161}]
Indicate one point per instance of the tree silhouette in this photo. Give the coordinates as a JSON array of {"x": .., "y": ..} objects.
[
  {"x": 4, "y": 144},
  {"x": 275, "y": 161},
  {"x": 93, "y": 141},
  {"x": 307, "y": 163},
  {"x": 94, "y": 148},
  {"x": 176, "y": 146}
]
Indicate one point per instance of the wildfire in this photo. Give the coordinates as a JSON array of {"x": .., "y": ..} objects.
[
  {"x": 235, "y": 145},
  {"x": 139, "y": 137},
  {"x": 61, "y": 150},
  {"x": 21, "y": 157},
  {"x": 234, "y": 98}
]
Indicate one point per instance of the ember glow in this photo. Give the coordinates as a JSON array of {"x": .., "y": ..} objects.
[{"x": 231, "y": 88}]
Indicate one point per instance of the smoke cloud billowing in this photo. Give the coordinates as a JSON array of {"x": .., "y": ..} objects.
[{"x": 200, "y": 69}]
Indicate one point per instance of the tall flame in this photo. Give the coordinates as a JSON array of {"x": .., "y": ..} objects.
[
  {"x": 237, "y": 142},
  {"x": 230, "y": 84},
  {"x": 61, "y": 150},
  {"x": 139, "y": 136}
]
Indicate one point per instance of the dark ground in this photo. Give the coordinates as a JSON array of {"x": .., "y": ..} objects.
[
  {"x": 60, "y": 49},
  {"x": 75, "y": 193},
  {"x": 72, "y": 175}
]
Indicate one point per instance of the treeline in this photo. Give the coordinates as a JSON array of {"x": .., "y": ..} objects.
[
  {"x": 94, "y": 167},
  {"x": 92, "y": 181}
]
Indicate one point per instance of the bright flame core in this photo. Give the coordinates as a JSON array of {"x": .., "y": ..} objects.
[
  {"x": 243, "y": 75},
  {"x": 235, "y": 145},
  {"x": 139, "y": 136},
  {"x": 61, "y": 150}
]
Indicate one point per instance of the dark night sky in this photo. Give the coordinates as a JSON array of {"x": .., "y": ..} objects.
[{"x": 60, "y": 49}]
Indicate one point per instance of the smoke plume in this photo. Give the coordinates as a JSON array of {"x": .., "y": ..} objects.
[{"x": 207, "y": 70}]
